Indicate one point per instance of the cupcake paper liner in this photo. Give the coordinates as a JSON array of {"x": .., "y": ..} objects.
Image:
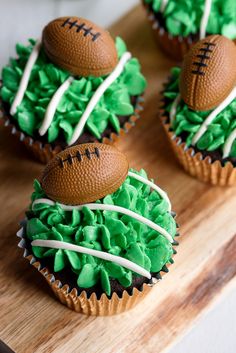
[
  {"x": 44, "y": 152},
  {"x": 194, "y": 163},
  {"x": 91, "y": 305},
  {"x": 175, "y": 46}
]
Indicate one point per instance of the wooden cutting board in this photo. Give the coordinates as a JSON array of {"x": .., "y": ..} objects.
[{"x": 32, "y": 321}]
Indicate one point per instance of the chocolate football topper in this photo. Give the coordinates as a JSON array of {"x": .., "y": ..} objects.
[
  {"x": 79, "y": 46},
  {"x": 84, "y": 173},
  {"x": 209, "y": 73}
]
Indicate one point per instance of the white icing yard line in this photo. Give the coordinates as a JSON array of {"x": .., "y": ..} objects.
[
  {"x": 55, "y": 244},
  {"x": 205, "y": 18},
  {"x": 112, "y": 208},
  {"x": 25, "y": 77},
  {"x": 153, "y": 186},
  {"x": 228, "y": 144},
  {"x": 52, "y": 106},
  {"x": 98, "y": 94},
  {"x": 163, "y": 5},
  {"x": 174, "y": 107},
  {"x": 212, "y": 116}
]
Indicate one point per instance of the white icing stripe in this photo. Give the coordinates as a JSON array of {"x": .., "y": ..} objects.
[
  {"x": 174, "y": 107},
  {"x": 212, "y": 116},
  {"x": 163, "y": 5},
  {"x": 52, "y": 106},
  {"x": 98, "y": 94},
  {"x": 228, "y": 144},
  {"x": 25, "y": 77},
  {"x": 112, "y": 208},
  {"x": 55, "y": 244},
  {"x": 153, "y": 186},
  {"x": 205, "y": 18}
]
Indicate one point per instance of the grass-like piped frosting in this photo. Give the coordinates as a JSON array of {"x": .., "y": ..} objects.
[
  {"x": 187, "y": 122},
  {"x": 46, "y": 78},
  {"x": 107, "y": 231},
  {"x": 183, "y": 17}
]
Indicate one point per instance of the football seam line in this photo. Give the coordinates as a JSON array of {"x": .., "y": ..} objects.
[
  {"x": 203, "y": 57},
  {"x": 79, "y": 156},
  {"x": 81, "y": 27}
]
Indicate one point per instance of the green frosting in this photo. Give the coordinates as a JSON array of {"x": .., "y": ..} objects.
[
  {"x": 108, "y": 231},
  {"x": 188, "y": 121},
  {"x": 183, "y": 17},
  {"x": 46, "y": 78}
]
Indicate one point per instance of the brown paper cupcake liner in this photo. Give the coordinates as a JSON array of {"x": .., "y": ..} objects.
[
  {"x": 194, "y": 163},
  {"x": 44, "y": 152},
  {"x": 91, "y": 305},
  {"x": 175, "y": 46}
]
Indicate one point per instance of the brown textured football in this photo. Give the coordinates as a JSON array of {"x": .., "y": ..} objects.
[
  {"x": 84, "y": 173},
  {"x": 79, "y": 46},
  {"x": 209, "y": 72}
]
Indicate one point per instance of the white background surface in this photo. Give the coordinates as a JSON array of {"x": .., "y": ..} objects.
[
  {"x": 21, "y": 19},
  {"x": 216, "y": 332}
]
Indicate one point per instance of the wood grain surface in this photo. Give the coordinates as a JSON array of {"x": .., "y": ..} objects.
[{"x": 32, "y": 321}]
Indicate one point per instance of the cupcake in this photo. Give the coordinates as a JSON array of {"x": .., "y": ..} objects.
[
  {"x": 75, "y": 85},
  {"x": 179, "y": 24},
  {"x": 99, "y": 235},
  {"x": 199, "y": 110}
]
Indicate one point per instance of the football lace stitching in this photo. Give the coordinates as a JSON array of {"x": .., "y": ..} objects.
[
  {"x": 79, "y": 156},
  {"x": 86, "y": 30},
  {"x": 207, "y": 49}
]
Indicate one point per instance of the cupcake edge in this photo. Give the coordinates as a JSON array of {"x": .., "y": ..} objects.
[
  {"x": 91, "y": 305},
  {"x": 175, "y": 46},
  {"x": 44, "y": 152},
  {"x": 194, "y": 163}
]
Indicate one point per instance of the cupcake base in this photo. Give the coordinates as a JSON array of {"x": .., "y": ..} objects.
[
  {"x": 90, "y": 304},
  {"x": 44, "y": 152},
  {"x": 197, "y": 165},
  {"x": 103, "y": 306},
  {"x": 175, "y": 46}
]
